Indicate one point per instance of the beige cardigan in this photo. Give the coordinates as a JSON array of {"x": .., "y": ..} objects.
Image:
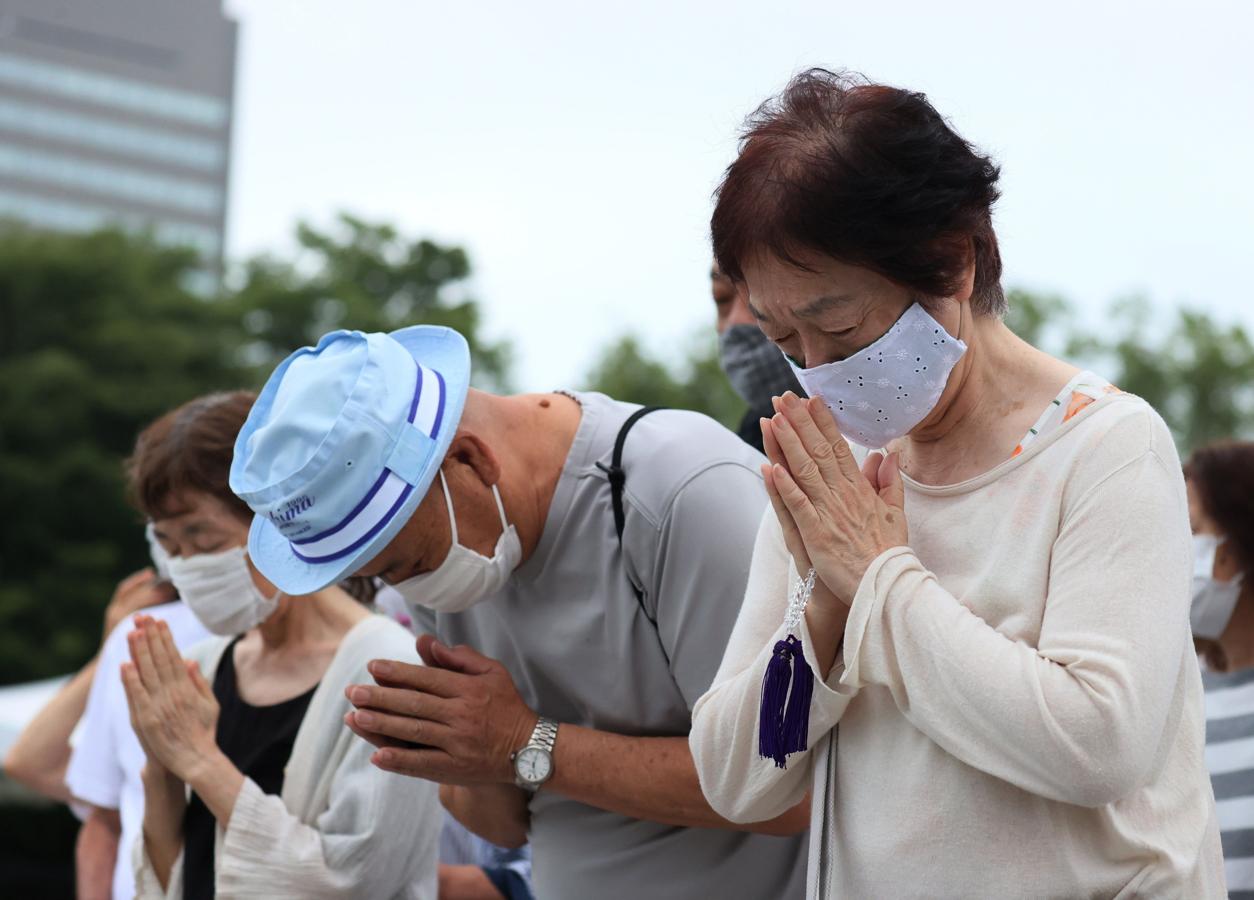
[
  {"x": 340, "y": 827},
  {"x": 1017, "y": 710}
]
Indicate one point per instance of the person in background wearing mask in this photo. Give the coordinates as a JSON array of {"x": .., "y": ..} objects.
[
  {"x": 81, "y": 750},
  {"x": 973, "y": 653},
  {"x": 756, "y": 368},
  {"x": 1220, "y": 481},
  {"x": 581, "y": 567},
  {"x": 252, "y": 786}
]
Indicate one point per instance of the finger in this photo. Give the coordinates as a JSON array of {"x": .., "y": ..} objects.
[
  {"x": 198, "y": 679},
  {"x": 402, "y": 728},
  {"x": 815, "y": 442},
  {"x": 871, "y": 468},
  {"x": 770, "y": 446},
  {"x": 433, "y": 765},
  {"x": 370, "y": 737},
  {"x": 401, "y": 701},
  {"x": 167, "y": 669},
  {"x": 797, "y": 503},
  {"x": 787, "y": 525},
  {"x": 462, "y": 659},
  {"x": 799, "y": 463},
  {"x": 892, "y": 489},
  {"x": 130, "y": 582},
  {"x": 424, "y": 649},
  {"x": 146, "y": 669},
  {"x": 131, "y": 684},
  {"x": 823, "y": 419},
  {"x": 441, "y": 683}
]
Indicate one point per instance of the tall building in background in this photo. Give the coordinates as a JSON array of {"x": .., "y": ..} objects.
[{"x": 118, "y": 111}]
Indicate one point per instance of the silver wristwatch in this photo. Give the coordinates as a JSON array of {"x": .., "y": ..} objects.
[{"x": 533, "y": 764}]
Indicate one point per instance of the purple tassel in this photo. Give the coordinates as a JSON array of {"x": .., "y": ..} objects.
[{"x": 784, "y": 715}]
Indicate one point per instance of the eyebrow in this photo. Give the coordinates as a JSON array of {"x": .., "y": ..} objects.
[
  {"x": 810, "y": 310},
  {"x": 823, "y": 304}
]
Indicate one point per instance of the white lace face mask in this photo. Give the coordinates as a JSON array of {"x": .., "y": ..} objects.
[
  {"x": 1213, "y": 600},
  {"x": 160, "y": 559},
  {"x": 465, "y": 577},
  {"x": 219, "y": 590},
  {"x": 881, "y": 392}
]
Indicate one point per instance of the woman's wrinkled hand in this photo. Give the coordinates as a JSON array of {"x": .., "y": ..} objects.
[
  {"x": 834, "y": 516},
  {"x": 173, "y": 710}
]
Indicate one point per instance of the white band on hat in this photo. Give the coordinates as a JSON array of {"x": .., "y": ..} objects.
[{"x": 388, "y": 493}]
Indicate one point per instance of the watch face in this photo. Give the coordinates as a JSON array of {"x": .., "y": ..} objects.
[{"x": 533, "y": 765}]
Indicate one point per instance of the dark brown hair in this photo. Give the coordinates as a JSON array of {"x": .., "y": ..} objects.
[
  {"x": 866, "y": 174},
  {"x": 190, "y": 449},
  {"x": 1223, "y": 476}
]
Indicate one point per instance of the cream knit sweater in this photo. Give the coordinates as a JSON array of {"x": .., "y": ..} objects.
[{"x": 1017, "y": 709}]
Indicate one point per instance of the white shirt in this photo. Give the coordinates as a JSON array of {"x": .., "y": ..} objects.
[
  {"x": 106, "y": 761},
  {"x": 1017, "y": 710}
]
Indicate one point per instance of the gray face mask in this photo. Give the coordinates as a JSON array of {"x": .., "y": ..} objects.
[{"x": 756, "y": 368}]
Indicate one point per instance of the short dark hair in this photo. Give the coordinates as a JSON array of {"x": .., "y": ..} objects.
[
  {"x": 1222, "y": 474},
  {"x": 866, "y": 174},
  {"x": 189, "y": 449}
]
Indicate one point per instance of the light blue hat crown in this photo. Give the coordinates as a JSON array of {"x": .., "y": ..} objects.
[{"x": 341, "y": 446}]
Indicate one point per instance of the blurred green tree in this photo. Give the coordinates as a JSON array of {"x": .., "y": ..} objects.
[
  {"x": 364, "y": 276},
  {"x": 627, "y": 371},
  {"x": 1197, "y": 372},
  {"x": 99, "y": 336}
]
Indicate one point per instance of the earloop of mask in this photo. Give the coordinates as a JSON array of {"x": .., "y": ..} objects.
[{"x": 448, "y": 502}]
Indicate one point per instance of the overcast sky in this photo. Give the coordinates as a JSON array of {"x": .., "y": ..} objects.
[{"x": 572, "y": 149}]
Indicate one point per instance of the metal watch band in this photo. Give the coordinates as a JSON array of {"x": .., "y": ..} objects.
[{"x": 545, "y": 735}]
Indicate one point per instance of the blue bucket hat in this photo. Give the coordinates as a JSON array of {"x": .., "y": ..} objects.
[{"x": 341, "y": 447}]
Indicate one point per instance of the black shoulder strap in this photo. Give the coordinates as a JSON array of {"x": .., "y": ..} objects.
[
  {"x": 618, "y": 481},
  {"x": 617, "y": 475}
]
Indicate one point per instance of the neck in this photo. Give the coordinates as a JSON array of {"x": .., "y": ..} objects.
[
  {"x": 310, "y": 619},
  {"x": 1237, "y": 641},
  {"x": 538, "y": 429},
  {"x": 995, "y": 385}
]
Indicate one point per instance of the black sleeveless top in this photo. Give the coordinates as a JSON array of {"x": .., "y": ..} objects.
[{"x": 258, "y": 740}]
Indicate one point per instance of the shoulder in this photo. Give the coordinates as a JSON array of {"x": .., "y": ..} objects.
[
  {"x": 375, "y": 637},
  {"x": 673, "y": 453},
  {"x": 1118, "y": 431}
]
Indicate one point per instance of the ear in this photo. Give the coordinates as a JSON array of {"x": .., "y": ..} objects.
[
  {"x": 470, "y": 450},
  {"x": 966, "y": 286}
]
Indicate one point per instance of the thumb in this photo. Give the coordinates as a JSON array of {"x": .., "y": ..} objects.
[
  {"x": 460, "y": 659},
  {"x": 193, "y": 672},
  {"x": 891, "y": 489}
]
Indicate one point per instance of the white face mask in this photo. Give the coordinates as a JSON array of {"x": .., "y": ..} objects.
[
  {"x": 465, "y": 577},
  {"x": 160, "y": 559},
  {"x": 219, "y": 590},
  {"x": 1213, "y": 600},
  {"x": 881, "y": 392}
]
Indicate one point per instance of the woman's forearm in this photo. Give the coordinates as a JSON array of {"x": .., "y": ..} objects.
[
  {"x": 217, "y": 782},
  {"x": 39, "y": 757},
  {"x": 165, "y": 802}
]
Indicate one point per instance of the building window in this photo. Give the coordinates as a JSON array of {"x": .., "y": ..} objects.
[
  {"x": 100, "y": 134},
  {"x": 110, "y": 90},
  {"x": 63, "y": 215},
  {"x": 123, "y": 182}
]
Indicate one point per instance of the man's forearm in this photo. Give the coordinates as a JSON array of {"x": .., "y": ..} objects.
[
  {"x": 96, "y": 854},
  {"x": 651, "y": 778}
]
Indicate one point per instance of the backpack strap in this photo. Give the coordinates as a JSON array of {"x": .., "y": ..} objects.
[{"x": 618, "y": 481}]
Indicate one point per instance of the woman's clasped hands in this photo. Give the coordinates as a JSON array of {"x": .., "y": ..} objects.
[
  {"x": 173, "y": 710},
  {"x": 835, "y": 518}
]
